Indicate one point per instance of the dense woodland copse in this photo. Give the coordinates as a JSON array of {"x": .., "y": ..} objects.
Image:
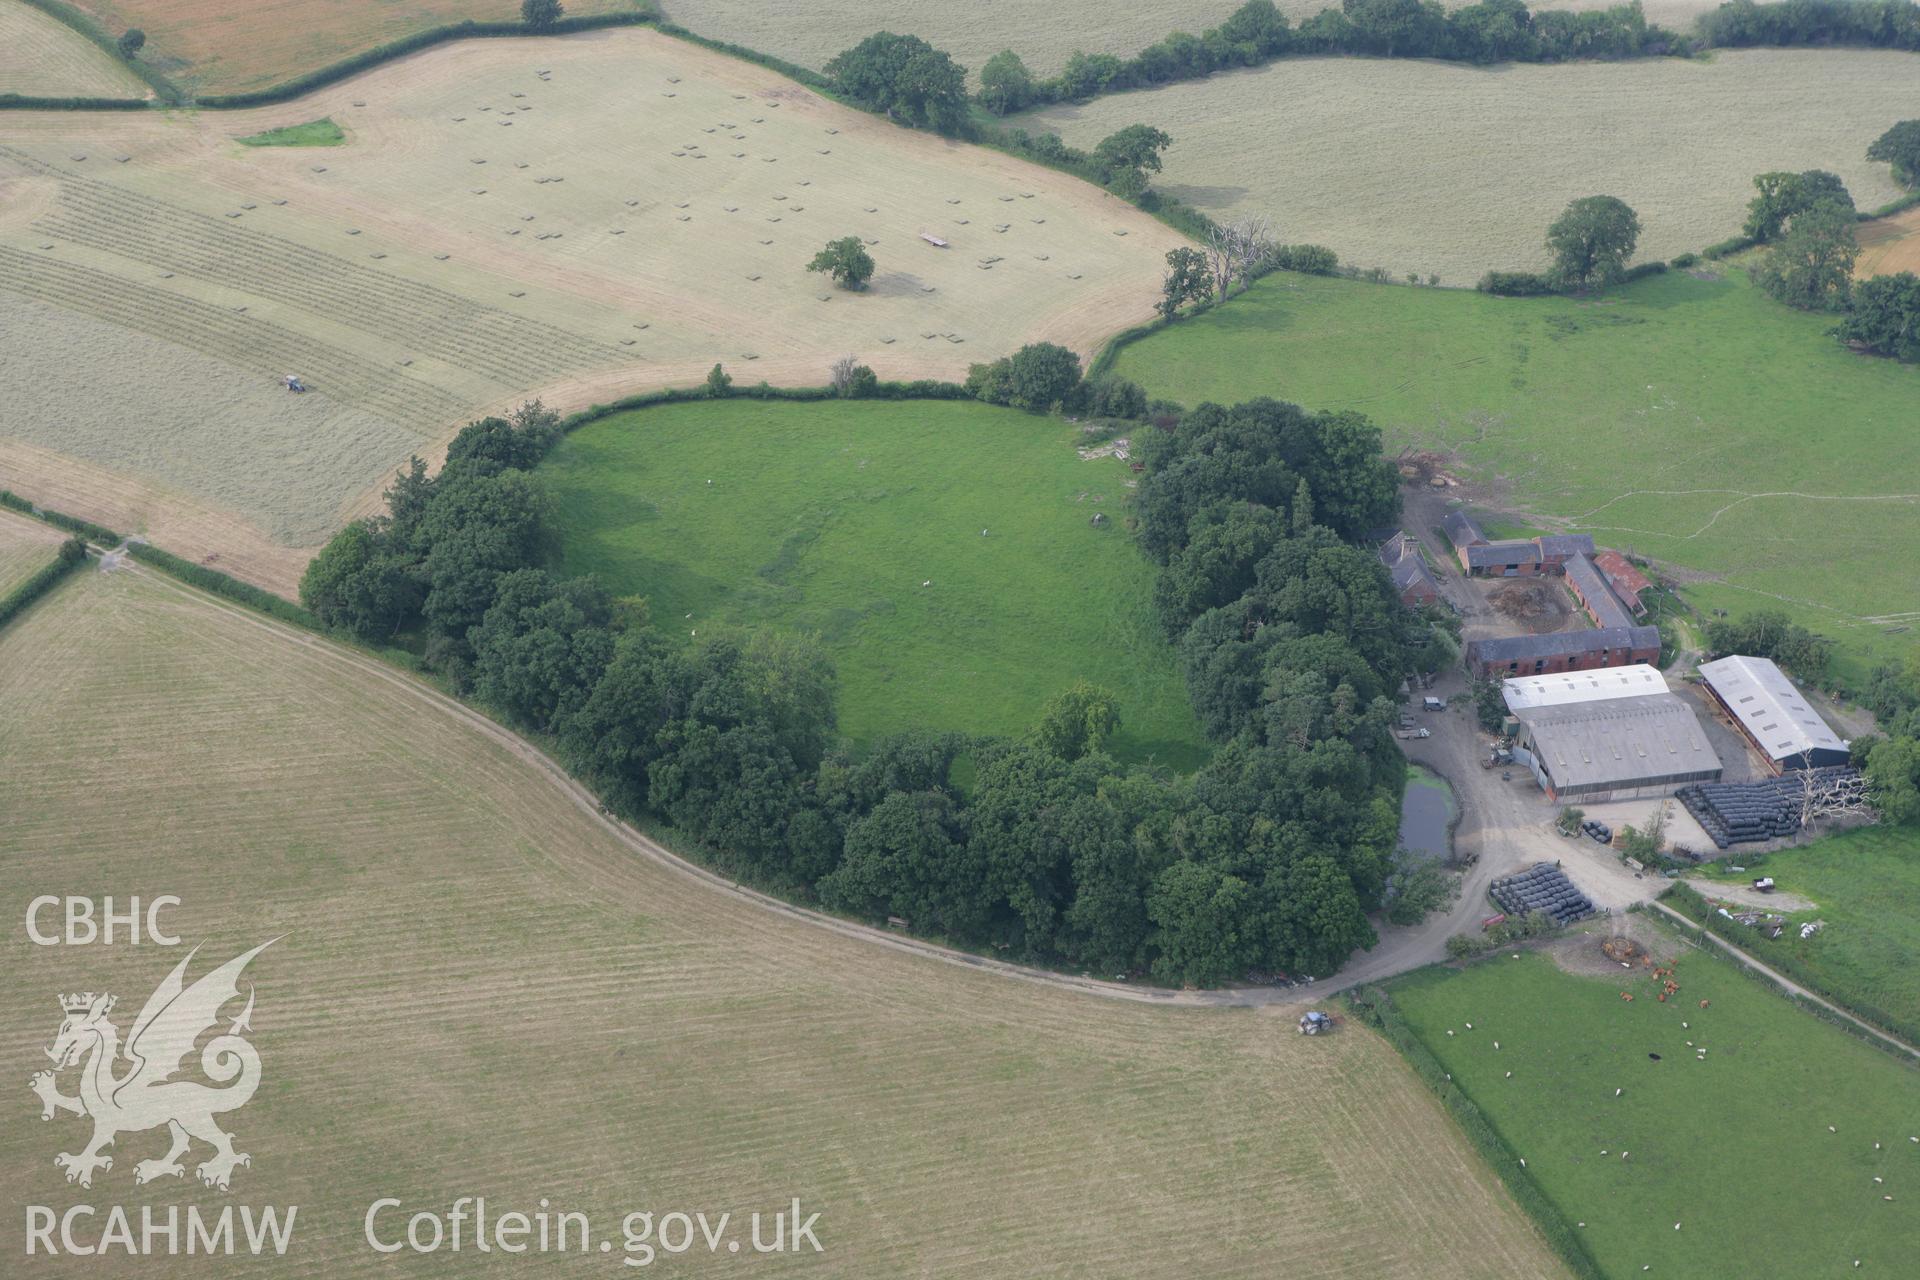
[{"x": 1270, "y": 857}]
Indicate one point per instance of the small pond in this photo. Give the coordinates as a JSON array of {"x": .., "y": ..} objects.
[{"x": 1426, "y": 814}]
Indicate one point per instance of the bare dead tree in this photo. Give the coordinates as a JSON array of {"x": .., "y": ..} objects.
[
  {"x": 840, "y": 377},
  {"x": 1235, "y": 249},
  {"x": 1832, "y": 793}
]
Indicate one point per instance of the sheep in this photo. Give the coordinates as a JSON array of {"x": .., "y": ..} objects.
[{"x": 1616, "y": 1093}]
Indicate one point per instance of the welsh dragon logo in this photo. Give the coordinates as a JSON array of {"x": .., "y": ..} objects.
[{"x": 146, "y": 1095}]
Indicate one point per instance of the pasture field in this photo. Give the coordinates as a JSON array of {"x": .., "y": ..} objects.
[
  {"x": 482, "y": 991},
  {"x": 215, "y": 46},
  {"x": 42, "y": 57},
  {"x": 1805, "y": 1200},
  {"x": 1863, "y": 885},
  {"x": 575, "y": 217},
  {"x": 1045, "y": 33},
  {"x": 1889, "y": 246},
  {"x": 25, "y": 546},
  {"x": 1453, "y": 170},
  {"x": 1692, "y": 420},
  {"x": 829, "y": 516}
]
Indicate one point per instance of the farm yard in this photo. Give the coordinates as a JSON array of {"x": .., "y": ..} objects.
[
  {"x": 1633, "y": 1116},
  {"x": 1045, "y": 33},
  {"x": 577, "y": 218},
  {"x": 944, "y": 552},
  {"x": 26, "y": 546},
  {"x": 42, "y": 57},
  {"x": 1453, "y": 170},
  {"x": 214, "y": 46},
  {"x": 1863, "y": 885},
  {"x": 1691, "y": 395},
  {"x": 458, "y": 928}
]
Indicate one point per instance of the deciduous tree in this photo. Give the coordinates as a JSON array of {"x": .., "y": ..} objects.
[
  {"x": 1900, "y": 147},
  {"x": 1592, "y": 241},
  {"x": 846, "y": 260},
  {"x": 1811, "y": 267}
]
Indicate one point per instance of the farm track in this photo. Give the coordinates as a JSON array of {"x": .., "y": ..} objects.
[{"x": 1781, "y": 980}]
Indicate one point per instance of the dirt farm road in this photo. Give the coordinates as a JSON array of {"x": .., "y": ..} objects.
[{"x": 1782, "y": 981}]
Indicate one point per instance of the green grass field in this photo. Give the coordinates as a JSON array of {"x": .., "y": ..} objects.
[
  {"x": 314, "y": 133},
  {"x": 1864, "y": 884},
  {"x": 828, "y": 517},
  {"x": 1735, "y": 1149},
  {"x": 1691, "y": 420}
]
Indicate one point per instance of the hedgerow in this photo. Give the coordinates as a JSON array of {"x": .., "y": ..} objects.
[
  {"x": 1375, "y": 1007},
  {"x": 221, "y": 584},
  {"x": 72, "y": 524},
  {"x": 73, "y": 553}
]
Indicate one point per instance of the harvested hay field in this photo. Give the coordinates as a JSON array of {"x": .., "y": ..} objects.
[
  {"x": 460, "y": 931},
  {"x": 42, "y": 57},
  {"x": 25, "y": 546},
  {"x": 1889, "y": 246},
  {"x": 577, "y": 218},
  {"x": 1045, "y": 33},
  {"x": 217, "y": 46},
  {"x": 1453, "y": 170}
]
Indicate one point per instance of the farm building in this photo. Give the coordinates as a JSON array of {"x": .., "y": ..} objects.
[
  {"x": 1772, "y": 714},
  {"x": 1513, "y": 557},
  {"x": 1619, "y": 734},
  {"x": 1502, "y": 560},
  {"x": 1595, "y": 594},
  {"x": 1627, "y": 582},
  {"x": 1526, "y": 693},
  {"x": 1408, "y": 568},
  {"x": 1464, "y": 531},
  {"x": 1492, "y": 659}
]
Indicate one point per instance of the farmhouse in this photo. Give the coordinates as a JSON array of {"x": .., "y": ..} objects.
[
  {"x": 1772, "y": 714},
  {"x": 1619, "y": 734},
  {"x": 1491, "y": 659},
  {"x": 1408, "y": 569}
]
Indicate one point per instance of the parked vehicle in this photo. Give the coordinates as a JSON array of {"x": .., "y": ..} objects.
[{"x": 1431, "y": 703}]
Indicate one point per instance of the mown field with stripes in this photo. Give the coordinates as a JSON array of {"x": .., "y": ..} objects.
[
  {"x": 25, "y": 545},
  {"x": 42, "y": 57},
  {"x": 576, "y": 218},
  {"x": 481, "y": 991}
]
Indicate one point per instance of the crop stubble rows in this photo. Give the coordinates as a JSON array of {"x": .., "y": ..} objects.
[
  {"x": 460, "y": 939},
  {"x": 579, "y": 218}
]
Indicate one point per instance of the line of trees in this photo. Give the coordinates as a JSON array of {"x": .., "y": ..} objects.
[
  {"x": 1289, "y": 633},
  {"x": 1258, "y": 33}
]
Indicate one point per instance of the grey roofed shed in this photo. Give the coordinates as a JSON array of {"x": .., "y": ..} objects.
[
  {"x": 1592, "y": 585},
  {"x": 1463, "y": 530},
  {"x": 1560, "y": 643},
  {"x": 1562, "y": 545},
  {"x": 1619, "y": 744},
  {"x": 1503, "y": 553}
]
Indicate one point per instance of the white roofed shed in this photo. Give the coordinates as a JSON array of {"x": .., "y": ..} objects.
[{"x": 1772, "y": 712}]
